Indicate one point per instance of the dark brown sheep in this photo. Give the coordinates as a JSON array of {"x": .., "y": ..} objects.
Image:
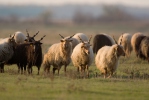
[
  {"x": 136, "y": 40},
  {"x": 144, "y": 49},
  {"x": 101, "y": 40}
]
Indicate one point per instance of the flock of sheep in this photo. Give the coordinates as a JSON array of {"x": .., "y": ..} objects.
[{"x": 26, "y": 51}]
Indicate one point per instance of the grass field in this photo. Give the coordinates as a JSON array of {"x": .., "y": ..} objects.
[{"x": 130, "y": 82}]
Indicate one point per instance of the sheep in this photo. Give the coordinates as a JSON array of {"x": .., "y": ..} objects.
[
  {"x": 81, "y": 35},
  {"x": 107, "y": 59},
  {"x": 28, "y": 53},
  {"x": 19, "y": 37},
  {"x": 144, "y": 49},
  {"x": 58, "y": 55},
  {"x": 101, "y": 40},
  {"x": 6, "y": 50},
  {"x": 126, "y": 43},
  {"x": 82, "y": 56},
  {"x": 34, "y": 57},
  {"x": 135, "y": 42}
]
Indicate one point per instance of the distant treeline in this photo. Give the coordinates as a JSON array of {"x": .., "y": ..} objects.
[{"x": 78, "y": 14}]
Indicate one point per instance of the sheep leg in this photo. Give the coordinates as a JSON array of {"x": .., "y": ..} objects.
[
  {"x": 84, "y": 72},
  {"x": 48, "y": 69},
  {"x": 38, "y": 70},
  {"x": 87, "y": 68},
  {"x": 21, "y": 69},
  {"x": 105, "y": 73},
  {"x": 78, "y": 69},
  {"x": 54, "y": 70},
  {"x": 59, "y": 69},
  {"x": 65, "y": 69},
  {"x": 2, "y": 67},
  {"x": 24, "y": 69},
  {"x": 110, "y": 74},
  {"x": 29, "y": 69},
  {"x": 18, "y": 68}
]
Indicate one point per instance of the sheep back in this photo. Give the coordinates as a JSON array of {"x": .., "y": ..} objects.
[
  {"x": 125, "y": 40},
  {"x": 19, "y": 37},
  {"x": 144, "y": 49},
  {"x": 135, "y": 41},
  {"x": 101, "y": 40},
  {"x": 78, "y": 58},
  {"x": 81, "y": 35}
]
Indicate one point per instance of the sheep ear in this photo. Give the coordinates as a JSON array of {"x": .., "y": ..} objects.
[
  {"x": 26, "y": 40},
  {"x": 116, "y": 48},
  {"x": 82, "y": 46},
  {"x": 62, "y": 40}
]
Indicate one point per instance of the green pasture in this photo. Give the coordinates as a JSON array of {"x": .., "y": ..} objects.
[{"x": 129, "y": 82}]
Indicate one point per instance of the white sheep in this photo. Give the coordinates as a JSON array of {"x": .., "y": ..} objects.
[
  {"x": 107, "y": 59},
  {"x": 82, "y": 56},
  {"x": 6, "y": 50},
  {"x": 81, "y": 35},
  {"x": 125, "y": 40},
  {"x": 19, "y": 37},
  {"x": 58, "y": 54}
]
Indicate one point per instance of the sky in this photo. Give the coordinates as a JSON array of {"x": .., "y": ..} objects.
[{"x": 139, "y": 3}]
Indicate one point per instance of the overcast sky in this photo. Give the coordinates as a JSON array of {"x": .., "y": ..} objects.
[{"x": 140, "y": 3}]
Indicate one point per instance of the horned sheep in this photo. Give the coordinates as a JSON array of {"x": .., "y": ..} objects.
[
  {"x": 82, "y": 56},
  {"x": 125, "y": 40},
  {"x": 58, "y": 55},
  {"x": 101, "y": 40},
  {"x": 27, "y": 53},
  {"x": 6, "y": 50},
  {"x": 107, "y": 59}
]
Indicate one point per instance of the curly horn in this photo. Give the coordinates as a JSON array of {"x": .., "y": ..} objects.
[
  {"x": 61, "y": 36},
  {"x": 71, "y": 36},
  {"x": 42, "y": 38},
  {"x": 90, "y": 39},
  {"x": 35, "y": 34},
  {"x": 81, "y": 39},
  {"x": 27, "y": 33},
  {"x": 121, "y": 39},
  {"x": 115, "y": 40}
]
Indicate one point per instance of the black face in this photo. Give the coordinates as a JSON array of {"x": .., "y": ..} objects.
[
  {"x": 37, "y": 45},
  {"x": 30, "y": 39}
]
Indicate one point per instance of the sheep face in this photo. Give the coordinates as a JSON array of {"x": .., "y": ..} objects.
[
  {"x": 120, "y": 51},
  {"x": 65, "y": 43},
  {"x": 85, "y": 48}
]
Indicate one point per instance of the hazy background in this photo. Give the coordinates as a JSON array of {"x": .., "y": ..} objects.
[
  {"x": 71, "y": 16},
  {"x": 75, "y": 11}
]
